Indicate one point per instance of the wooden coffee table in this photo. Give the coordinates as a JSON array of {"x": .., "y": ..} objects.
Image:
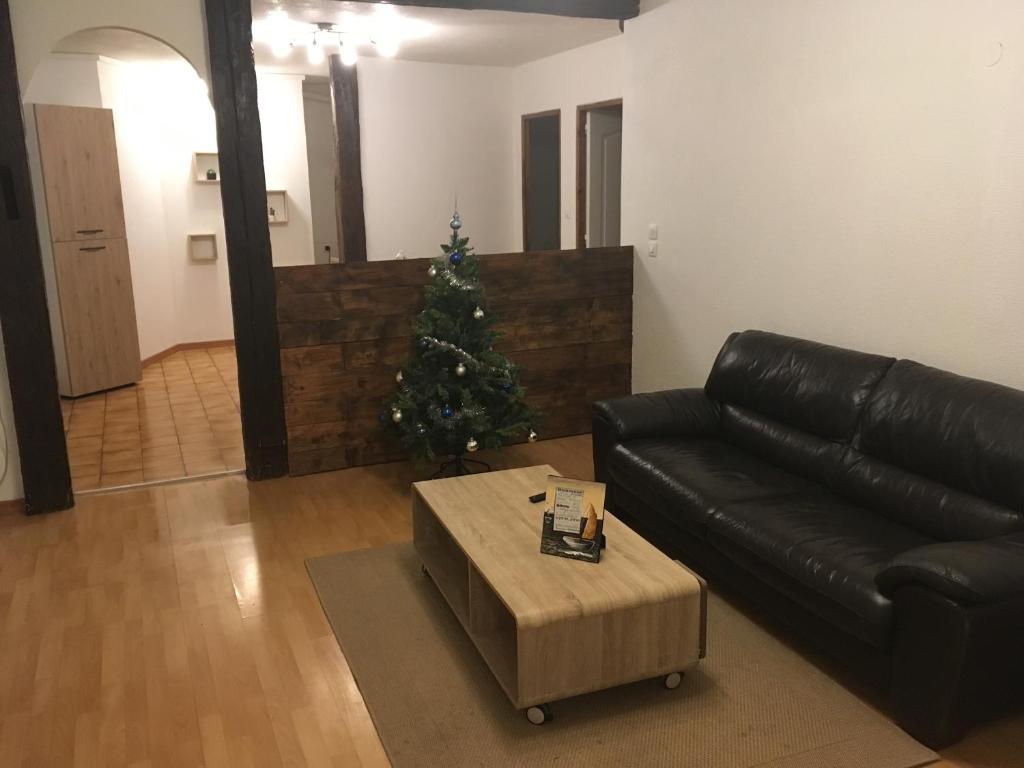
[{"x": 550, "y": 627}]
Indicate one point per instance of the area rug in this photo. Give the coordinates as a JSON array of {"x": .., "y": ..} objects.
[{"x": 752, "y": 702}]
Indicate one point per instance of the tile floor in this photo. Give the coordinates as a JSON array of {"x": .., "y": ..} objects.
[{"x": 181, "y": 420}]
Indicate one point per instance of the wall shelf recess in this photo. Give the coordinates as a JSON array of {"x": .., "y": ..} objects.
[
  {"x": 202, "y": 164},
  {"x": 202, "y": 246},
  {"x": 277, "y": 206}
]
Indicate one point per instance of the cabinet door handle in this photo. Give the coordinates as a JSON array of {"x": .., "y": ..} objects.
[
  {"x": 94, "y": 248},
  {"x": 88, "y": 231}
]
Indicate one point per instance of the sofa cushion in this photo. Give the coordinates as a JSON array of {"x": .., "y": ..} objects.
[
  {"x": 820, "y": 551},
  {"x": 958, "y": 432},
  {"x": 813, "y": 387},
  {"x": 687, "y": 480}
]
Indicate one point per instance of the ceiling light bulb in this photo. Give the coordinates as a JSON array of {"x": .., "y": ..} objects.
[
  {"x": 315, "y": 53},
  {"x": 348, "y": 55},
  {"x": 387, "y": 47}
]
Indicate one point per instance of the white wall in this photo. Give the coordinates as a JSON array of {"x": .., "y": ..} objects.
[
  {"x": 320, "y": 152},
  {"x": 284, "y": 161},
  {"x": 849, "y": 172},
  {"x": 581, "y": 76},
  {"x": 429, "y": 131}
]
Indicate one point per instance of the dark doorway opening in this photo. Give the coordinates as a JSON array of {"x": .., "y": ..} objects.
[{"x": 542, "y": 181}]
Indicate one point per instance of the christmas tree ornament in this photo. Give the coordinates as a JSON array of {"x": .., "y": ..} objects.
[
  {"x": 506, "y": 386},
  {"x": 478, "y": 314},
  {"x": 398, "y": 377},
  {"x": 421, "y": 429},
  {"x": 532, "y": 437},
  {"x": 383, "y": 418},
  {"x": 471, "y": 445},
  {"x": 456, "y": 222},
  {"x": 424, "y": 344},
  {"x": 396, "y": 416},
  {"x": 432, "y": 272},
  {"x": 447, "y": 412},
  {"x": 460, "y": 370},
  {"x": 455, "y": 257}
]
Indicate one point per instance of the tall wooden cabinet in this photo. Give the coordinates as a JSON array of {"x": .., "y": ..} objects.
[{"x": 99, "y": 344}]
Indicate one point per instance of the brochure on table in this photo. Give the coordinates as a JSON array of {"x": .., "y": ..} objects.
[{"x": 573, "y": 519}]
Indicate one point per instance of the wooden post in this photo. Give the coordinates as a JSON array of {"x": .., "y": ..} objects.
[
  {"x": 349, "y": 179},
  {"x": 250, "y": 268},
  {"x": 23, "y": 313}
]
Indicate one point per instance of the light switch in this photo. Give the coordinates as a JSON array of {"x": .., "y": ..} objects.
[
  {"x": 652, "y": 232},
  {"x": 652, "y": 248}
]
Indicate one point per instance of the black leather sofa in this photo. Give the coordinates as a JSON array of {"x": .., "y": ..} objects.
[{"x": 874, "y": 505}]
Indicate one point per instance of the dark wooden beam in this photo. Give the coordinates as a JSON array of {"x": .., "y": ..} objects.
[
  {"x": 23, "y": 314},
  {"x": 349, "y": 177},
  {"x": 250, "y": 268},
  {"x": 584, "y": 9}
]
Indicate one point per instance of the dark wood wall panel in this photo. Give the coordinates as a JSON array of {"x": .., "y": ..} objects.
[{"x": 566, "y": 319}]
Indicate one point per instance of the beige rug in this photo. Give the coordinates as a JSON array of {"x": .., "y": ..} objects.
[{"x": 751, "y": 702}]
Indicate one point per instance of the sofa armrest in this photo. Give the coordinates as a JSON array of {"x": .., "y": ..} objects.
[
  {"x": 970, "y": 572},
  {"x": 672, "y": 413}
]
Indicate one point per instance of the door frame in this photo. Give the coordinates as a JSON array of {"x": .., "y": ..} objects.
[
  {"x": 24, "y": 313},
  {"x": 557, "y": 114},
  {"x": 581, "y": 165}
]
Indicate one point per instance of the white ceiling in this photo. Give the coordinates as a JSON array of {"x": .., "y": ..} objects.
[{"x": 493, "y": 38}]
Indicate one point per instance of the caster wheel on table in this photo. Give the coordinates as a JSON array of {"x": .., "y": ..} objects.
[
  {"x": 672, "y": 680},
  {"x": 539, "y": 715}
]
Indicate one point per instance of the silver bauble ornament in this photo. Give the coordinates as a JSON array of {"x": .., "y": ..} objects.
[
  {"x": 432, "y": 272},
  {"x": 460, "y": 370},
  {"x": 532, "y": 437},
  {"x": 399, "y": 377},
  {"x": 396, "y": 416},
  {"x": 471, "y": 444},
  {"x": 456, "y": 222},
  {"x": 478, "y": 314}
]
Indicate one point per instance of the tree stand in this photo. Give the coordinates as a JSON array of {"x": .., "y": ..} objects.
[{"x": 456, "y": 466}]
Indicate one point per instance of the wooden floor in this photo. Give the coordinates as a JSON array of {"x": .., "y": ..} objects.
[
  {"x": 175, "y": 625},
  {"x": 181, "y": 420}
]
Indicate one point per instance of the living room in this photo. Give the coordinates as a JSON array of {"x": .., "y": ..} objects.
[{"x": 791, "y": 364}]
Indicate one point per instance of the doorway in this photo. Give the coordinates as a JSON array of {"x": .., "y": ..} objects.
[
  {"x": 542, "y": 162},
  {"x": 599, "y": 174}
]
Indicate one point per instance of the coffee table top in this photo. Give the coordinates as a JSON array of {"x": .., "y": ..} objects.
[{"x": 491, "y": 518}]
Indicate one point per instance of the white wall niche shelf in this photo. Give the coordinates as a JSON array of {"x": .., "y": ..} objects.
[
  {"x": 202, "y": 164},
  {"x": 277, "y": 206},
  {"x": 202, "y": 246}
]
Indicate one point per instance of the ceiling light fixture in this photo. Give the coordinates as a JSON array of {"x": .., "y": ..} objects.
[
  {"x": 384, "y": 30},
  {"x": 348, "y": 55}
]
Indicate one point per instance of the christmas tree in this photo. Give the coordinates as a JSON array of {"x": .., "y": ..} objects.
[{"x": 456, "y": 394}]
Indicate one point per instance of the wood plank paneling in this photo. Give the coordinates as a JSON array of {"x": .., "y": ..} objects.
[{"x": 566, "y": 319}]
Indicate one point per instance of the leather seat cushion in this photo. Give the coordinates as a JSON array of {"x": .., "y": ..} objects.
[
  {"x": 687, "y": 480},
  {"x": 821, "y": 552}
]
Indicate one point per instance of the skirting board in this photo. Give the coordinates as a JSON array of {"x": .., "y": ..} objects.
[
  {"x": 187, "y": 345},
  {"x": 11, "y": 507}
]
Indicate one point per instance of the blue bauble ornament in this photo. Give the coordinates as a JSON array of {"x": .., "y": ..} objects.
[
  {"x": 447, "y": 412},
  {"x": 383, "y": 418},
  {"x": 506, "y": 386},
  {"x": 456, "y": 258}
]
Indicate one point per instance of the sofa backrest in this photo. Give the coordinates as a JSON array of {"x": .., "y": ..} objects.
[
  {"x": 793, "y": 402},
  {"x": 941, "y": 453}
]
